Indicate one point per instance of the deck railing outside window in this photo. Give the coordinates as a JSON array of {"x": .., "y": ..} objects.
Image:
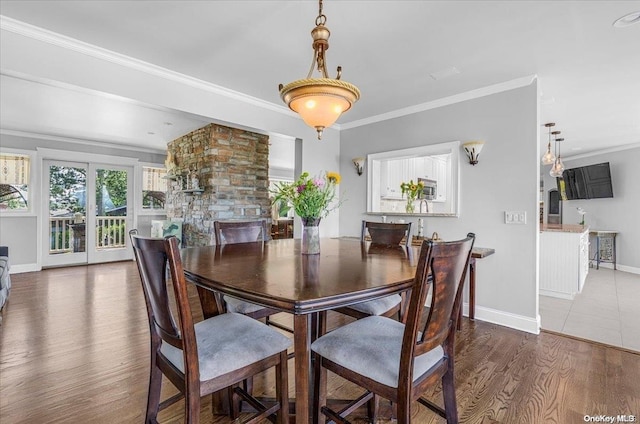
[
  {"x": 110, "y": 233},
  {"x": 60, "y": 234}
]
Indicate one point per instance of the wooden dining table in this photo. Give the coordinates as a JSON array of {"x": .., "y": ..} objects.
[{"x": 276, "y": 275}]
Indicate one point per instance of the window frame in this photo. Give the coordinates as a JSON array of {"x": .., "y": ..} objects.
[
  {"x": 139, "y": 190},
  {"x": 32, "y": 186}
]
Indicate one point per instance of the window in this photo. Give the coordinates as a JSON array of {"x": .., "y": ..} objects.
[
  {"x": 279, "y": 209},
  {"x": 154, "y": 187},
  {"x": 14, "y": 181}
]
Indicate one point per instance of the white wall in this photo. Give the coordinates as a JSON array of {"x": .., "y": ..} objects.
[
  {"x": 506, "y": 179},
  {"x": 619, "y": 213}
]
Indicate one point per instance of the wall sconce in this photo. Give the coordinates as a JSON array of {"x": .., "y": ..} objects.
[
  {"x": 472, "y": 149},
  {"x": 359, "y": 164}
]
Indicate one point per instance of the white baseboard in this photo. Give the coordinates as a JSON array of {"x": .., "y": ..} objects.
[
  {"x": 625, "y": 268},
  {"x": 507, "y": 319},
  {"x": 18, "y": 269},
  {"x": 559, "y": 295}
]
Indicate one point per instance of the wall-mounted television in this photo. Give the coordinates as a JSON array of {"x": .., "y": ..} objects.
[{"x": 586, "y": 182}]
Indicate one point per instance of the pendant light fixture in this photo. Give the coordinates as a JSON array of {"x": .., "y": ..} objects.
[
  {"x": 320, "y": 101},
  {"x": 558, "y": 166},
  {"x": 549, "y": 158}
]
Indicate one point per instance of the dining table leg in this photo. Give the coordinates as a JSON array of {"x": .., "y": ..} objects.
[
  {"x": 302, "y": 346},
  {"x": 472, "y": 289},
  {"x": 472, "y": 294}
]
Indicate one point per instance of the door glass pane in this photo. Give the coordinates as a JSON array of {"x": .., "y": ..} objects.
[
  {"x": 67, "y": 209},
  {"x": 111, "y": 208}
]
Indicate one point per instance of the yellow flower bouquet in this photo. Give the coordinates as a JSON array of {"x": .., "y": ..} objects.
[{"x": 413, "y": 191}]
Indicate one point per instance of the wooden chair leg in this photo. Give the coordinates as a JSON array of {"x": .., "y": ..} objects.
[
  {"x": 373, "y": 406},
  {"x": 282, "y": 389},
  {"x": 220, "y": 403},
  {"x": 153, "y": 397},
  {"x": 403, "y": 408},
  {"x": 191, "y": 408},
  {"x": 247, "y": 385},
  {"x": 449, "y": 394},
  {"x": 319, "y": 389},
  {"x": 234, "y": 403}
]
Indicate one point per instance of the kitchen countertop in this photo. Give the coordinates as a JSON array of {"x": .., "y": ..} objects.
[{"x": 564, "y": 228}]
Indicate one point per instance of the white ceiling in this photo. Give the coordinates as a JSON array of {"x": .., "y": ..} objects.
[{"x": 589, "y": 71}]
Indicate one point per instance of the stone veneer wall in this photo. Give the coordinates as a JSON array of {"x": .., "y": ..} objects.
[{"x": 232, "y": 166}]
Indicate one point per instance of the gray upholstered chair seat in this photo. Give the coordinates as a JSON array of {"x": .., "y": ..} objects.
[
  {"x": 371, "y": 347},
  {"x": 378, "y": 306},
  {"x": 228, "y": 342},
  {"x": 241, "y": 306}
]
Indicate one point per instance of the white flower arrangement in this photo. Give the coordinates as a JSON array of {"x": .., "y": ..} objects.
[{"x": 582, "y": 213}]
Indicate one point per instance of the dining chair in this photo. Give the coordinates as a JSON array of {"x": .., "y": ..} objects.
[
  {"x": 381, "y": 234},
  {"x": 211, "y": 355},
  {"x": 234, "y": 232},
  {"x": 390, "y": 233},
  {"x": 400, "y": 361}
]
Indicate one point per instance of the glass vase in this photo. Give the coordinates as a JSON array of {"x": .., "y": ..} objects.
[
  {"x": 409, "y": 207},
  {"x": 310, "y": 244}
]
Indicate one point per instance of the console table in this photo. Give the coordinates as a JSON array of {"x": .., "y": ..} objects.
[{"x": 605, "y": 243}]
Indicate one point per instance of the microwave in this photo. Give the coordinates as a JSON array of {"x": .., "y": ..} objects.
[{"x": 430, "y": 189}]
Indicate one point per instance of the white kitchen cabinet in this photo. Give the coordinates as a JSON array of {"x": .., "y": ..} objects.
[
  {"x": 440, "y": 175},
  {"x": 393, "y": 173},
  {"x": 396, "y": 172},
  {"x": 564, "y": 260}
]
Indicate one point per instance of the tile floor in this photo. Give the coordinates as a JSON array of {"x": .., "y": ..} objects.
[{"x": 607, "y": 310}]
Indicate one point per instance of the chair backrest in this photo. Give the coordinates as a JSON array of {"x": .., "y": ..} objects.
[
  {"x": 389, "y": 250},
  {"x": 230, "y": 232},
  {"x": 447, "y": 262},
  {"x": 386, "y": 233},
  {"x": 152, "y": 256}
]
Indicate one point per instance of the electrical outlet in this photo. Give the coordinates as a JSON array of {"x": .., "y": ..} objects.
[{"x": 515, "y": 217}]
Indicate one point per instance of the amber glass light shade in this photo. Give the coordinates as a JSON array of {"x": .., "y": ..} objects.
[{"x": 320, "y": 101}]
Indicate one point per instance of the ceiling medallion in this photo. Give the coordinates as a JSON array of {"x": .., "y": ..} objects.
[{"x": 320, "y": 101}]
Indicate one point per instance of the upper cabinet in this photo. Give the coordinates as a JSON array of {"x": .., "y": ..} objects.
[{"x": 394, "y": 172}]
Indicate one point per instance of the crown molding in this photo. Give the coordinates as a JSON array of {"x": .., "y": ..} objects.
[
  {"x": 53, "y": 38},
  {"x": 83, "y": 141},
  {"x": 603, "y": 151},
  {"x": 445, "y": 101},
  {"x": 50, "y": 37}
]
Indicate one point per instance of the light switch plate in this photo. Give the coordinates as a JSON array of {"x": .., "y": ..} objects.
[{"x": 515, "y": 217}]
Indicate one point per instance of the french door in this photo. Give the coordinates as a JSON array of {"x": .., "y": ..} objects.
[{"x": 89, "y": 212}]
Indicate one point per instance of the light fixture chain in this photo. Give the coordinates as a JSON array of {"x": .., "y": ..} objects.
[
  {"x": 320, "y": 17},
  {"x": 319, "y": 101}
]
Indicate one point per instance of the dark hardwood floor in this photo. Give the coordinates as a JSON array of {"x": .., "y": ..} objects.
[{"x": 74, "y": 348}]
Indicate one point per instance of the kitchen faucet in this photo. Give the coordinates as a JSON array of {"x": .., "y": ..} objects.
[{"x": 426, "y": 205}]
